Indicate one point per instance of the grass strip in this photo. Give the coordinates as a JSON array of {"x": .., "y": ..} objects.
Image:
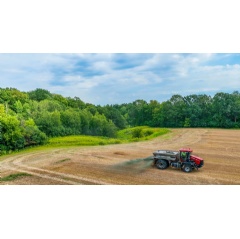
[{"x": 14, "y": 176}]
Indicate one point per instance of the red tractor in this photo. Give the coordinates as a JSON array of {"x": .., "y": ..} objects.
[{"x": 182, "y": 159}]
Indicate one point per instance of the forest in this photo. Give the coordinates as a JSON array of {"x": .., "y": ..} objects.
[{"x": 31, "y": 118}]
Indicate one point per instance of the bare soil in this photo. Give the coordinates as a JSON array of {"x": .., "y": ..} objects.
[{"x": 95, "y": 165}]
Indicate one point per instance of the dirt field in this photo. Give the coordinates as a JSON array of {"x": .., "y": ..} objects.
[{"x": 219, "y": 148}]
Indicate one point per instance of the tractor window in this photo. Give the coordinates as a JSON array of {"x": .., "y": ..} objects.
[{"x": 185, "y": 156}]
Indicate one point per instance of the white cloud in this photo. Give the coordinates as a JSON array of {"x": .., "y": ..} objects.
[
  {"x": 80, "y": 82},
  {"x": 117, "y": 78}
]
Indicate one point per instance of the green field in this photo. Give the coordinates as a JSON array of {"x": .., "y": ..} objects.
[
  {"x": 134, "y": 134},
  {"x": 140, "y": 133},
  {"x": 81, "y": 140}
]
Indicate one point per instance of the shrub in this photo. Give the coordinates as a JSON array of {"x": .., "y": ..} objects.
[
  {"x": 137, "y": 133},
  {"x": 148, "y": 132}
]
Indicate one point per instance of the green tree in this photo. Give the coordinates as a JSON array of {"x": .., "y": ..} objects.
[
  {"x": 11, "y": 95},
  {"x": 198, "y": 110},
  {"x": 18, "y": 107},
  {"x": 39, "y": 94},
  {"x": 99, "y": 125},
  {"x": 60, "y": 99},
  {"x": 11, "y": 133},
  {"x": 71, "y": 121},
  {"x": 76, "y": 103},
  {"x": 49, "y": 123},
  {"x": 114, "y": 115},
  {"x": 223, "y": 105},
  {"x": 137, "y": 133},
  {"x": 50, "y": 106},
  {"x": 187, "y": 123},
  {"x": 32, "y": 135},
  {"x": 2, "y": 110},
  {"x": 85, "y": 121}
]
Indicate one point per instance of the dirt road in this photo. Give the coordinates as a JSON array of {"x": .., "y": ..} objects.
[{"x": 96, "y": 165}]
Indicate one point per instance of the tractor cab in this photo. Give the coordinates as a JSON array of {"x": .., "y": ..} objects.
[{"x": 185, "y": 154}]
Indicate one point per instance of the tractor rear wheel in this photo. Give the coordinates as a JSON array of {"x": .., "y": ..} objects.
[
  {"x": 161, "y": 164},
  {"x": 187, "y": 168}
]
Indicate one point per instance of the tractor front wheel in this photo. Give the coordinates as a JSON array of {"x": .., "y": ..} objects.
[
  {"x": 187, "y": 168},
  {"x": 161, "y": 164}
]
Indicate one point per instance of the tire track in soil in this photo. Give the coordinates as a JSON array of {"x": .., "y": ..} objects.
[
  {"x": 39, "y": 175},
  {"x": 83, "y": 180},
  {"x": 48, "y": 174}
]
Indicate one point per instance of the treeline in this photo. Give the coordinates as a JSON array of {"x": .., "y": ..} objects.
[
  {"x": 29, "y": 118},
  {"x": 220, "y": 111}
]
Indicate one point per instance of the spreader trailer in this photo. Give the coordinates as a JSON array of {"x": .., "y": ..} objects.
[{"x": 182, "y": 159}]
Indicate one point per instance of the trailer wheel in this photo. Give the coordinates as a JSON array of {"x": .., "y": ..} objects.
[
  {"x": 161, "y": 164},
  {"x": 187, "y": 168}
]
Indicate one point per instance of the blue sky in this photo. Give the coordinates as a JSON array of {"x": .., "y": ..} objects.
[{"x": 121, "y": 78}]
